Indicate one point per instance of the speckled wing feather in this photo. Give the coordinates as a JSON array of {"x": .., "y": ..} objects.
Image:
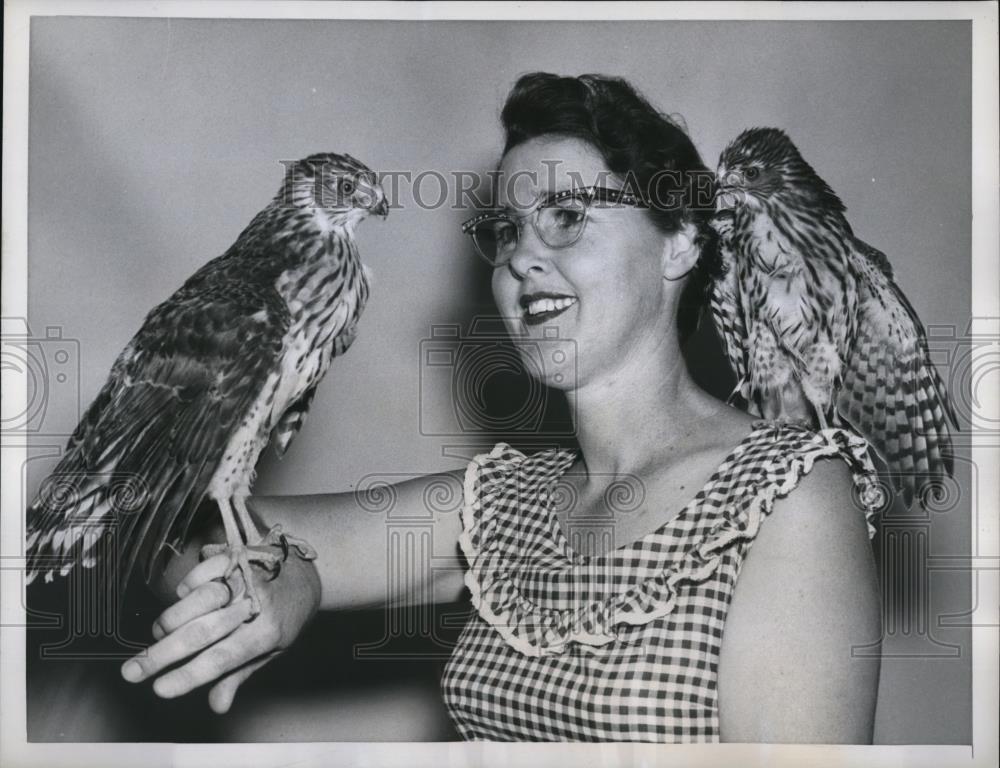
[
  {"x": 892, "y": 393},
  {"x": 728, "y": 316},
  {"x": 139, "y": 462}
]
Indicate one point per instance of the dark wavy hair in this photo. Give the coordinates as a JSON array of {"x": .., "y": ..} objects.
[{"x": 642, "y": 145}]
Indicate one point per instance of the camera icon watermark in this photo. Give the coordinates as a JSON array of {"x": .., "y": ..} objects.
[
  {"x": 50, "y": 364},
  {"x": 485, "y": 381},
  {"x": 969, "y": 365}
]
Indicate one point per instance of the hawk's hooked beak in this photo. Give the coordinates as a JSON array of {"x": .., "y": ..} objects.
[
  {"x": 728, "y": 195},
  {"x": 381, "y": 206},
  {"x": 726, "y": 200}
]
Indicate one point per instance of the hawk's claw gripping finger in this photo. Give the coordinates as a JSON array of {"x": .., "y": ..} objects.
[
  {"x": 275, "y": 572},
  {"x": 275, "y": 537}
]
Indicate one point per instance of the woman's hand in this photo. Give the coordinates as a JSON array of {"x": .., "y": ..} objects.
[{"x": 206, "y": 625}]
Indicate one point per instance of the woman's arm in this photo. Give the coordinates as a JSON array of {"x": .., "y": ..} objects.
[
  {"x": 351, "y": 540},
  {"x": 807, "y": 598},
  {"x": 352, "y": 570}
]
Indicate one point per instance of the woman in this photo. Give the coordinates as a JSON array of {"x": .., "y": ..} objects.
[{"x": 583, "y": 641}]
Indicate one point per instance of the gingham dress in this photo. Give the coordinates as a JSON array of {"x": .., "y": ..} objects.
[{"x": 623, "y": 646}]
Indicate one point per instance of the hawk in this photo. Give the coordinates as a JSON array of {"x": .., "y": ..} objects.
[
  {"x": 231, "y": 358},
  {"x": 813, "y": 323}
]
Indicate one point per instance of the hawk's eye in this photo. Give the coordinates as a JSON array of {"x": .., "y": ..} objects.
[
  {"x": 752, "y": 173},
  {"x": 347, "y": 186}
]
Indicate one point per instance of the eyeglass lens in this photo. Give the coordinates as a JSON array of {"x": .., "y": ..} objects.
[{"x": 558, "y": 224}]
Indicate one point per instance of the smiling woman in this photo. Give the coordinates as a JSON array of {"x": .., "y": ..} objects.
[{"x": 721, "y": 603}]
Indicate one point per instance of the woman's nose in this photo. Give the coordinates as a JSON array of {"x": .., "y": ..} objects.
[{"x": 530, "y": 253}]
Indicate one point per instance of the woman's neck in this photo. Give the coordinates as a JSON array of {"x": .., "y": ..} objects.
[{"x": 640, "y": 414}]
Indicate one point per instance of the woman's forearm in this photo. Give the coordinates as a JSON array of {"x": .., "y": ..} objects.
[{"x": 359, "y": 563}]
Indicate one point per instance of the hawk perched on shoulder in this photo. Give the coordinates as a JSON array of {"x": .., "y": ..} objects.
[
  {"x": 230, "y": 358},
  {"x": 812, "y": 321}
]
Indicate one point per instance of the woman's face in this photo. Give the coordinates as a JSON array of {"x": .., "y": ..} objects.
[{"x": 612, "y": 278}]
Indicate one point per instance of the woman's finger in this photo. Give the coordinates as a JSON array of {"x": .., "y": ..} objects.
[
  {"x": 188, "y": 639},
  {"x": 244, "y": 645},
  {"x": 205, "y": 598},
  {"x": 212, "y": 568},
  {"x": 220, "y": 697}
]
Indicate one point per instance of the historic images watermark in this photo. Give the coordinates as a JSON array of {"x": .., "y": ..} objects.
[{"x": 464, "y": 189}]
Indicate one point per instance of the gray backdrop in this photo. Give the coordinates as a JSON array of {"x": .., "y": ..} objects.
[{"x": 153, "y": 143}]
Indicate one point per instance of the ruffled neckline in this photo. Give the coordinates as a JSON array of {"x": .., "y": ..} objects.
[{"x": 497, "y": 575}]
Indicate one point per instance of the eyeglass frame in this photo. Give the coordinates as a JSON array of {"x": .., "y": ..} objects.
[{"x": 589, "y": 195}]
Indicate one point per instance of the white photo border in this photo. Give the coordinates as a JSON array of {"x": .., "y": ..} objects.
[{"x": 15, "y": 751}]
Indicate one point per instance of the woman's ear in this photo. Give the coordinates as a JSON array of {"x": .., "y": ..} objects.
[{"x": 680, "y": 252}]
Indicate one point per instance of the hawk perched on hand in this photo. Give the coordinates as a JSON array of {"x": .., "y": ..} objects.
[
  {"x": 234, "y": 355},
  {"x": 813, "y": 324}
]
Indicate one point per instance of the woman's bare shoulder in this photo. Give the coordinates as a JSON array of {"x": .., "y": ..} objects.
[
  {"x": 815, "y": 534},
  {"x": 819, "y": 512},
  {"x": 806, "y": 596}
]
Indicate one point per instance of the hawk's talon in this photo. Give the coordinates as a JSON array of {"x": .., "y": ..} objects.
[
  {"x": 275, "y": 538},
  {"x": 275, "y": 572},
  {"x": 242, "y": 557}
]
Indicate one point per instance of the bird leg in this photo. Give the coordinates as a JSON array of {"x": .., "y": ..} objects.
[
  {"x": 240, "y": 555},
  {"x": 823, "y": 426},
  {"x": 261, "y": 552},
  {"x": 273, "y": 538},
  {"x": 813, "y": 378},
  {"x": 821, "y": 381}
]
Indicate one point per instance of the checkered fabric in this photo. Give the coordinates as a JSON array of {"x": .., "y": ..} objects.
[{"x": 623, "y": 646}]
